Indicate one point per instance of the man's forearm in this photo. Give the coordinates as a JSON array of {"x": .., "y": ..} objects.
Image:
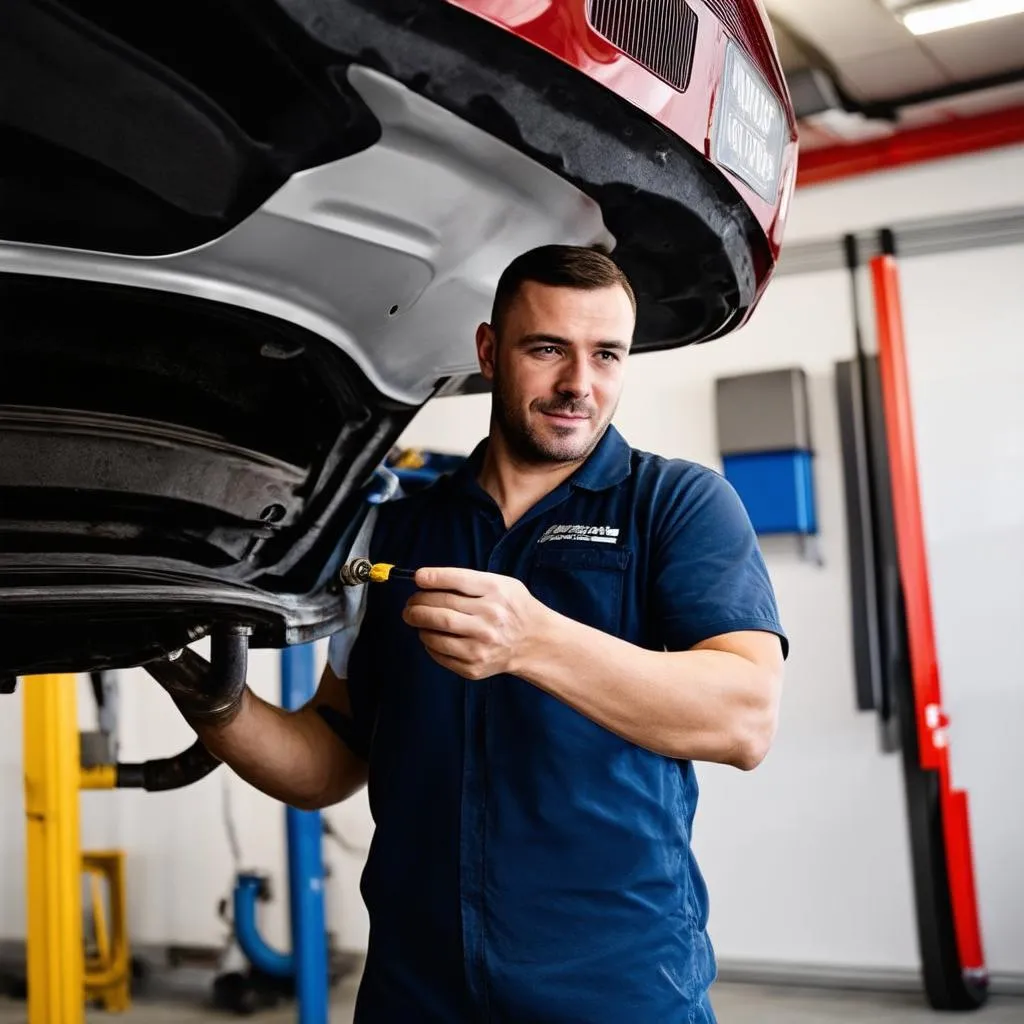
[
  {"x": 293, "y": 757},
  {"x": 704, "y": 705}
]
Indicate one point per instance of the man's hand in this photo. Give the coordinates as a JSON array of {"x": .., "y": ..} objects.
[{"x": 478, "y": 624}]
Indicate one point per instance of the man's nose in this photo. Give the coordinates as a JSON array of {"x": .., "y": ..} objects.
[{"x": 574, "y": 379}]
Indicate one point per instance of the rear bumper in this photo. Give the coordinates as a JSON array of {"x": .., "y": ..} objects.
[
  {"x": 563, "y": 29},
  {"x": 699, "y": 246}
]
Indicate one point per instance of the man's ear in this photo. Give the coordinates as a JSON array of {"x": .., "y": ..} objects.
[{"x": 486, "y": 350}]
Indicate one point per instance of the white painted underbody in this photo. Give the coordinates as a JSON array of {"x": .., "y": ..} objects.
[{"x": 423, "y": 222}]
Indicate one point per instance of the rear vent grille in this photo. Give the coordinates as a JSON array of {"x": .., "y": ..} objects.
[
  {"x": 753, "y": 44},
  {"x": 660, "y": 34}
]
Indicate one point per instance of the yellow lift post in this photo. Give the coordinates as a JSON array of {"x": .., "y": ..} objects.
[
  {"x": 60, "y": 976},
  {"x": 56, "y": 960}
]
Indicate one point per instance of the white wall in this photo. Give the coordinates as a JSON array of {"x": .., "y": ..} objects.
[{"x": 847, "y": 900}]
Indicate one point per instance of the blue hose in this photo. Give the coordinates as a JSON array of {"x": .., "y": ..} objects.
[{"x": 257, "y": 952}]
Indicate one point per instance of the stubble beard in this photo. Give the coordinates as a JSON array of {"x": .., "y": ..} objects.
[{"x": 526, "y": 445}]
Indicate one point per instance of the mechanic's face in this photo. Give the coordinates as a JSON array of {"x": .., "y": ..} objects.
[{"x": 557, "y": 369}]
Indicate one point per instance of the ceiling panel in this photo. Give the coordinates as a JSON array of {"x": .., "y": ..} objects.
[
  {"x": 843, "y": 29},
  {"x": 891, "y": 73},
  {"x": 877, "y": 59},
  {"x": 977, "y": 50}
]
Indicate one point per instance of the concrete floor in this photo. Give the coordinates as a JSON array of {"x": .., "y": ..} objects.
[{"x": 734, "y": 1004}]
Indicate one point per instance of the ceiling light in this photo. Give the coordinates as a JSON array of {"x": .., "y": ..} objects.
[{"x": 926, "y": 18}]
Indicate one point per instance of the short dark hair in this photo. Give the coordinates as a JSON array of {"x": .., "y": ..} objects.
[{"x": 560, "y": 266}]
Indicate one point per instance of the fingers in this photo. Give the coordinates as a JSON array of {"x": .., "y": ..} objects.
[
  {"x": 461, "y": 581},
  {"x": 444, "y": 599},
  {"x": 443, "y": 620},
  {"x": 440, "y": 648},
  {"x": 466, "y": 619},
  {"x": 446, "y": 644}
]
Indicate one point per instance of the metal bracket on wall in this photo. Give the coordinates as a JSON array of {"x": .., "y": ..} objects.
[
  {"x": 924, "y": 237},
  {"x": 100, "y": 746}
]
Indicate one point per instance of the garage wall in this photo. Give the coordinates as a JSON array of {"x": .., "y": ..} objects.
[{"x": 806, "y": 858}]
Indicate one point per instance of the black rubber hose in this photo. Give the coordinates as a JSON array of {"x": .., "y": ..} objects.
[
  {"x": 191, "y": 674},
  {"x": 175, "y": 772}
]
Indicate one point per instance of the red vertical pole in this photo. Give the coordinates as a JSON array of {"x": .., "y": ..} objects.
[{"x": 932, "y": 722}]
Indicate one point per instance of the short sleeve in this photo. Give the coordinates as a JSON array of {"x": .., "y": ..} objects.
[
  {"x": 348, "y": 660},
  {"x": 339, "y": 647},
  {"x": 709, "y": 576},
  {"x": 356, "y": 728},
  {"x": 353, "y": 600}
]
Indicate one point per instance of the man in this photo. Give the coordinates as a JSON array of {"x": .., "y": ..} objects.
[{"x": 588, "y": 622}]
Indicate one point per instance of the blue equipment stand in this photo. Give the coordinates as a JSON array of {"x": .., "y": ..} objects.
[
  {"x": 307, "y": 964},
  {"x": 305, "y": 862}
]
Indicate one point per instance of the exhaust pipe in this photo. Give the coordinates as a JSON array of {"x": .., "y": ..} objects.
[{"x": 190, "y": 679}]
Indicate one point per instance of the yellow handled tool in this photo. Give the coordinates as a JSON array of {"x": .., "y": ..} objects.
[{"x": 362, "y": 570}]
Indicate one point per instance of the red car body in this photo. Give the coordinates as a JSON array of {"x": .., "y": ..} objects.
[{"x": 564, "y": 29}]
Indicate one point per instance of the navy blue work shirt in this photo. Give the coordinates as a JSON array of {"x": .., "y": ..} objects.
[{"x": 528, "y": 865}]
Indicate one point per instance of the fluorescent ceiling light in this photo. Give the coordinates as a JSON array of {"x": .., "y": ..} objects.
[{"x": 924, "y": 19}]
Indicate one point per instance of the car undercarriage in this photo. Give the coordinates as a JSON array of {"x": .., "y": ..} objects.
[{"x": 228, "y": 285}]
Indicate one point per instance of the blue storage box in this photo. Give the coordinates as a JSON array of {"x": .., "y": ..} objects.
[{"x": 777, "y": 489}]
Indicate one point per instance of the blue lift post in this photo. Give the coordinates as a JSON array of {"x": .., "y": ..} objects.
[{"x": 305, "y": 862}]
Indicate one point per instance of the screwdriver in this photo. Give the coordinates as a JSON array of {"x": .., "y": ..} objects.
[{"x": 362, "y": 570}]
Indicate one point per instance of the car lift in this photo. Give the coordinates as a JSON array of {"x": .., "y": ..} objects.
[
  {"x": 55, "y": 941},
  {"x": 60, "y": 975},
  {"x": 59, "y": 978},
  {"x": 897, "y": 665}
]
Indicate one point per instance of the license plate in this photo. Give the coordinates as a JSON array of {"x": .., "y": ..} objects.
[{"x": 748, "y": 136}]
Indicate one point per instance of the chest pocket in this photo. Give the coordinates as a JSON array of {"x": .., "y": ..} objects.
[{"x": 585, "y": 582}]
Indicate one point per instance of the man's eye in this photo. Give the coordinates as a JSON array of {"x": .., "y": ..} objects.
[{"x": 609, "y": 356}]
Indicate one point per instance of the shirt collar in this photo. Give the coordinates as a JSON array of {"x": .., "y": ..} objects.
[{"x": 607, "y": 465}]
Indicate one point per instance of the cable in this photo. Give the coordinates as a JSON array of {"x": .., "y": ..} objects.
[{"x": 230, "y": 826}]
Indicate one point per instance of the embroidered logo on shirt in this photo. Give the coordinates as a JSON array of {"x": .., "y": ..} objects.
[{"x": 597, "y": 534}]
